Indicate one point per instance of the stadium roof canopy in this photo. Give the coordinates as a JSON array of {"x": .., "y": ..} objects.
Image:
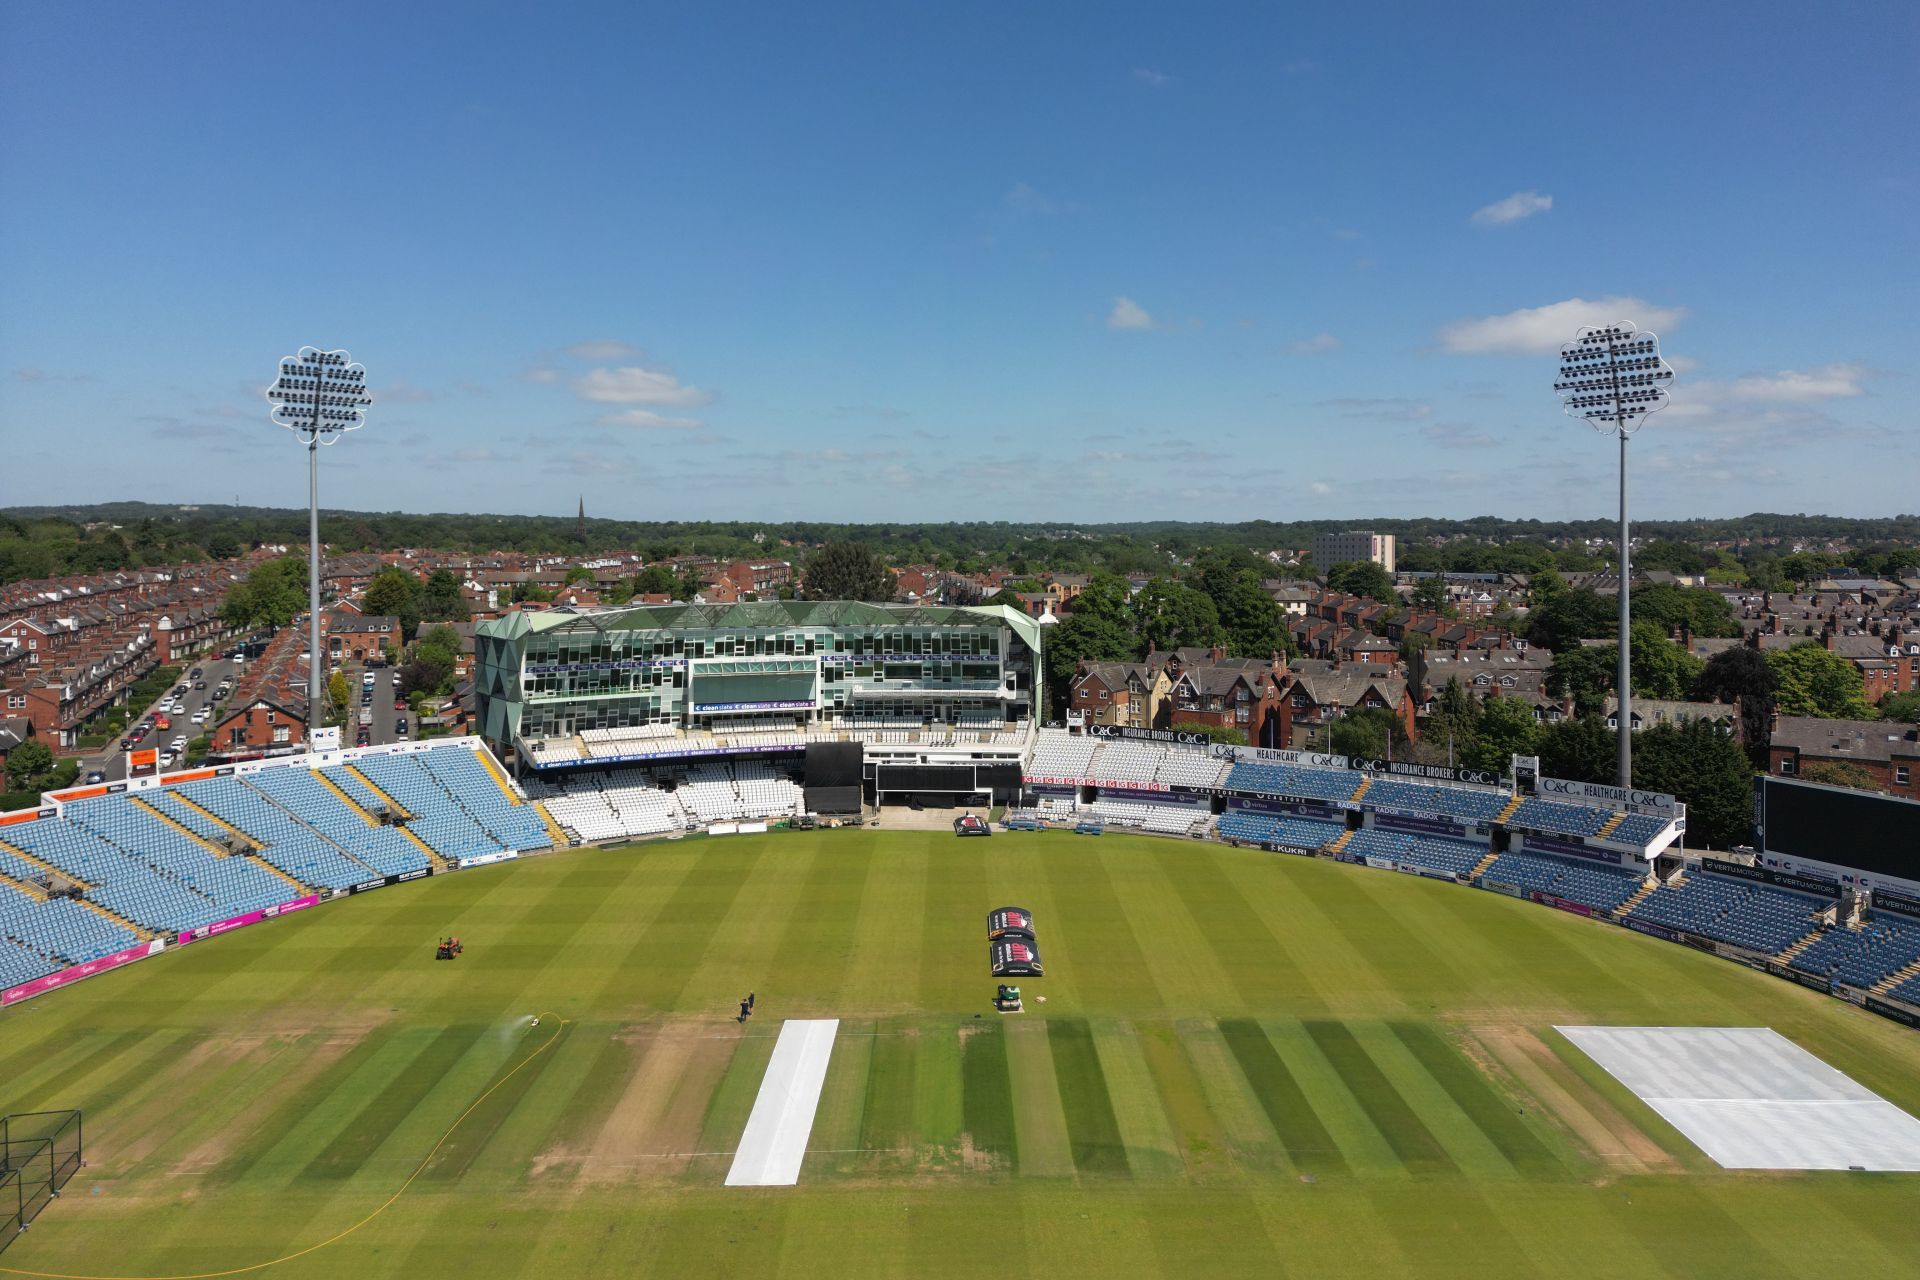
[{"x": 758, "y": 613}]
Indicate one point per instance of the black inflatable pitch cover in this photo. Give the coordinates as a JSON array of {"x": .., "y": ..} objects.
[
  {"x": 1017, "y": 921},
  {"x": 1015, "y": 958}
]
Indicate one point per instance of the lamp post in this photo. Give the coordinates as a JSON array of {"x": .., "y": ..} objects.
[
  {"x": 319, "y": 396},
  {"x": 1611, "y": 378}
]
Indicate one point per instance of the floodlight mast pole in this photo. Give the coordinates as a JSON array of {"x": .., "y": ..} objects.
[
  {"x": 1623, "y": 672},
  {"x": 319, "y": 395},
  {"x": 1604, "y": 403},
  {"x": 313, "y": 576}
]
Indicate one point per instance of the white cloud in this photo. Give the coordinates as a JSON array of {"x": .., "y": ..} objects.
[
  {"x": 1829, "y": 382},
  {"x": 1320, "y": 488},
  {"x": 401, "y": 393},
  {"x": 1517, "y": 207},
  {"x": 1151, "y": 78},
  {"x": 1128, "y": 314},
  {"x": 1313, "y": 346},
  {"x": 543, "y": 374},
  {"x": 648, "y": 420},
  {"x": 1535, "y": 331},
  {"x": 635, "y": 385},
  {"x": 1384, "y": 409},
  {"x": 1457, "y": 435},
  {"x": 1027, "y": 201},
  {"x": 604, "y": 349}
]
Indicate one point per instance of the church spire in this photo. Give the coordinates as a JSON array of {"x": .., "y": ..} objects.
[{"x": 580, "y": 529}]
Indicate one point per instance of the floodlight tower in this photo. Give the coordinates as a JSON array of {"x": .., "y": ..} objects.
[
  {"x": 1611, "y": 378},
  {"x": 319, "y": 396}
]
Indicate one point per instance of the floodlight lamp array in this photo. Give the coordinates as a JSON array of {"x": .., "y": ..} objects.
[
  {"x": 320, "y": 394},
  {"x": 1612, "y": 377}
]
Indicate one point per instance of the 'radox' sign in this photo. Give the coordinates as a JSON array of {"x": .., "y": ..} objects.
[{"x": 1616, "y": 797}]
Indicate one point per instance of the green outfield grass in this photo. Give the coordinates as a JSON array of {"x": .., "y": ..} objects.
[{"x": 1246, "y": 1064}]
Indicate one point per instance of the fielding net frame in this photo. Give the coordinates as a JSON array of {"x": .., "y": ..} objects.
[{"x": 40, "y": 1151}]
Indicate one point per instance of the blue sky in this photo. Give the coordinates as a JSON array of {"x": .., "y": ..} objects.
[{"x": 890, "y": 262}]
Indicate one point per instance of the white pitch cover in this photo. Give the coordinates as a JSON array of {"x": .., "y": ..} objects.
[
  {"x": 775, "y": 1140},
  {"x": 1752, "y": 1099}
]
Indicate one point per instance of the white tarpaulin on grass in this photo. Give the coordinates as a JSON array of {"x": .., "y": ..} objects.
[
  {"x": 775, "y": 1140},
  {"x": 1752, "y": 1099}
]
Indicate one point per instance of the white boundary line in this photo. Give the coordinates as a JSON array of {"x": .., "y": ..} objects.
[{"x": 775, "y": 1140}]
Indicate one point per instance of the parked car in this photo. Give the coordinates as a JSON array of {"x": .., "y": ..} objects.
[
  {"x": 194, "y": 674},
  {"x": 95, "y": 775},
  {"x": 400, "y": 726}
]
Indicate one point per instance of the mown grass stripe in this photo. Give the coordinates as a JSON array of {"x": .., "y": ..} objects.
[
  {"x": 1139, "y": 1110},
  {"x": 939, "y": 1092},
  {"x": 1301, "y": 1131},
  {"x": 886, "y": 1123},
  {"x": 1404, "y": 1131},
  {"x": 35, "y": 1088},
  {"x": 1109, "y": 966},
  {"x": 673, "y": 947},
  {"x": 1473, "y": 1095},
  {"x": 611, "y": 1061},
  {"x": 1263, "y": 970},
  {"x": 821, "y": 915},
  {"x": 1197, "y": 1133},
  {"x": 296, "y": 1107},
  {"x": 1091, "y": 1125},
  {"x": 375, "y": 1122},
  {"x": 466, "y": 1143},
  {"x": 836, "y": 1138},
  {"x": 987, "y": 1091},
  {"x": 1039, "y": 1120}
]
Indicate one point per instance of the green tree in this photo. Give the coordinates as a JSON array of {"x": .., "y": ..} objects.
[
  {"x": 1364, "y": 732},
  {"x": 29, "y": 764},
  {"x": 1815, "y": 682},
  {"x": 270, "y": 596},
  {"x": 337, "y": 690},
  {"x": 223, "y": 546},
  {"x": 1586, "y": 674},
  {"x": 848, "y": 571},
  {"x": 1697, "y": 763},
  {"x": 1563, "y": 621},
  {"x": 1582, "y": 749},
  {"x": 1703, "y": 612},
  {"x": 656, "y": 580},
  {"x": 394, "y": 593},
  {"x": 1414, "y": 642},
  {"x": 1099, "y": 629},
  {"x": 1230, "y": 577},
  {"x": 1506, "y": 728},
  {"x": 1743, "y": 677},
  {"x": 1232, "y": 735},
  {"x": 441, "y": 599},
  {"x": 1362, "y": 578},
  {"x": 1545, "y": 586},
  {"x": 1431, "y": 593},
  {"x": 578, "y": 574},
  {"x": 1661, "y": 668},
  {"x": 1839, "y": 773},
  {"x": 1904, "y": 707},
  {"x": 1170, "y": 615}
]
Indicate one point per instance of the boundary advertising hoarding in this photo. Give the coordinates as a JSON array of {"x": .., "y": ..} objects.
[
  {"x": 74, "y": 973},
  {"x": 241, "y": 921},
  {"x": 1783, "y": 879},
  {"x": 1607, "y": 796}
]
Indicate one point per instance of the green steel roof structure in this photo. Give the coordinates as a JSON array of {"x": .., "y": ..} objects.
[{"x": 759, "y": 613}]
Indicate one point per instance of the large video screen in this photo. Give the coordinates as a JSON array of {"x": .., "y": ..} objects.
[{"x": 1875, "y": 834}]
